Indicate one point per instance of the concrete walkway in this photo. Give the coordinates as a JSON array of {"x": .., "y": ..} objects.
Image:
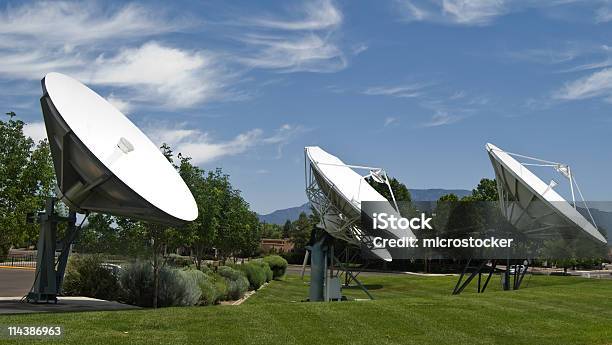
[{"x": 14, "y": 305}]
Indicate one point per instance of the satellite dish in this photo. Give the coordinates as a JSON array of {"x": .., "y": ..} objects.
[
  {"x": 104, "y": 163},
  {"x": 532, "y": 205},
  {"x": 337, "y": 191}
]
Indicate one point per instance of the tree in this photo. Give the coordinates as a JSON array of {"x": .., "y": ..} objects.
[
  {"x": 302, "y": 229},
  {"x": 400, "y": 191},
  {"x": 485, "y": 191},
  {"x": 272, "y": 230},
  {"x": 448, "y": 198},
  {"x": 287, "y": 229},
  {"x": 207, "y": 190},
  {"x": 26, "y": 180}
]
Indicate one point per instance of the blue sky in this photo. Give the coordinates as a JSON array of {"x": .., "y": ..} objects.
[{"x": 417, "y": 87}]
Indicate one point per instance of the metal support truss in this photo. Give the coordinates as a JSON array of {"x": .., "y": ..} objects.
[
  {"x": 486, "y": 267},
  {"x": 477, "y": 270},
  {"x": 350, "y": 274},
  {"x": 49, "y": 275}
]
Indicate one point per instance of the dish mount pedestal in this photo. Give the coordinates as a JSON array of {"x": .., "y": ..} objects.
[
  {"x": 326, "y": 270},
  {"x": 49, "y": 272}
]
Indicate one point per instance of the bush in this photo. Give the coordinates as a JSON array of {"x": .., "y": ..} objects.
[
  {"x": 237, "y": 283},
  {"x": 179, "y": 260},
  {"x": 266, "y": 268},
  {"x": 85, "y": 276},
  {"x": 176, "y": 287},
  {"x": 206, "y": 283},
  {"x": 221, "y": 288},
  {"x": 277, "y": 264},
  {"x": 254, "y": 273}
]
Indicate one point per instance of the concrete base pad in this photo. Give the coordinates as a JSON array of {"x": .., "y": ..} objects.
[{"x": 14, "y": 305}]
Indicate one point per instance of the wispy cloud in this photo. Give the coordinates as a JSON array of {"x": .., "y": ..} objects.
[
  {"x": 122, "y": 47},
  {"x": 283, "y": 136},
  {"x": 306, "y": 43},
  {"x": 485, "y": 12},
  {"x": 315, "y": 15},
  {"x": 202, "y": 147},
  {"x": 402, "y": 91},
  {"x": 69, "y": 24},
  {"x": 390, "y": 120},
  {"x": 185, "y": 78},
  {"x": 464, "y": 12},
  {"x": 546, "y": 56},
  {"x": 441, "y": 119},
  {"x": 92, "y": 44},
  {"x": 603, "y": 14},
  {"x": 306, "y": 53},
  {"x": 122, "y": 105},
  {"x": 594, "y": 85}
]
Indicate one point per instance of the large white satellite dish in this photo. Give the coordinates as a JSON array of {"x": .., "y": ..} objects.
[
  {"x": 337, "y": 192},
  {"x": 104, "y": 163},
  {"x": 532, "y": 205}
]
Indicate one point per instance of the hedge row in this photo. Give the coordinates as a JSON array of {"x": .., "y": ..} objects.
[{"x": 133, "y": 284}]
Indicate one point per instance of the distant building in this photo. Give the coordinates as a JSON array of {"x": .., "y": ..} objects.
[{"x": 279, "y": 245}]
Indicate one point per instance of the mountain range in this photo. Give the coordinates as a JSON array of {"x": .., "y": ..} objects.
[{"x": 418, "y": 195}]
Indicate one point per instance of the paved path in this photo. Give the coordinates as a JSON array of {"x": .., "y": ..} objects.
[
  {"x": 15, "y": 282},
  {"x": 13, "y": 305}
]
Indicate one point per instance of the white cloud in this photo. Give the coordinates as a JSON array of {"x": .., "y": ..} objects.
[
  {"x": 203, "y": 148},
  {"x": 462, "y": 12},
  {"x": 119, "y": 47},
  {"x": 603, "y": 15},
  {"x": 481, "y": 12},
  {"x": 596, "y": 84},
  {"x": 389, "y": 121},
  {"x": 121, "y": 105},
  {"x": 473, "y": 12},
  {"x": 308, "y": 53},
  {"x": 401, "y": 91},
  {"x": 440, "y": 119},
  {"x": 283, "y": 136},
  {"x": 173, "y": 76},
  {"x": 67, "y": 24},
  {"x": 36, "y": 131},
  {"x": 316, "y": 15},
  {"x": 413, "y": 12},
  {"x": 359, "y": 48},
  {"x": 95, "y": 45},
  {"x": 305, "y": 44}
]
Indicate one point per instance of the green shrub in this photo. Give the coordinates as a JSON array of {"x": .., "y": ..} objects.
[
  {"x": 237, "y": 283},
  {"x": 206, "y": 283},
  {"x": 179, "y": 260},
  {"x": 205, "y": 269},
  {"x": 86, "y": 276},
  {"x": 221, "y": 288},
  {"x": 176, "y": 287},
  {"x": 254, "y": 273},
  {"x": 266, "y": 268},
  {"x": 277, "y": 264}
]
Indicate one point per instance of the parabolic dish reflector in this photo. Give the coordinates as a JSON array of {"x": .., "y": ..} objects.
[
  {"x": 337, "y": 193},
  {"x": 532, "y": 205},
  {"x": 104, "y": 163}
]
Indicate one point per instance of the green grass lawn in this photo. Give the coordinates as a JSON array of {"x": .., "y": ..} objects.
[{"x": 407, "y": 310}]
